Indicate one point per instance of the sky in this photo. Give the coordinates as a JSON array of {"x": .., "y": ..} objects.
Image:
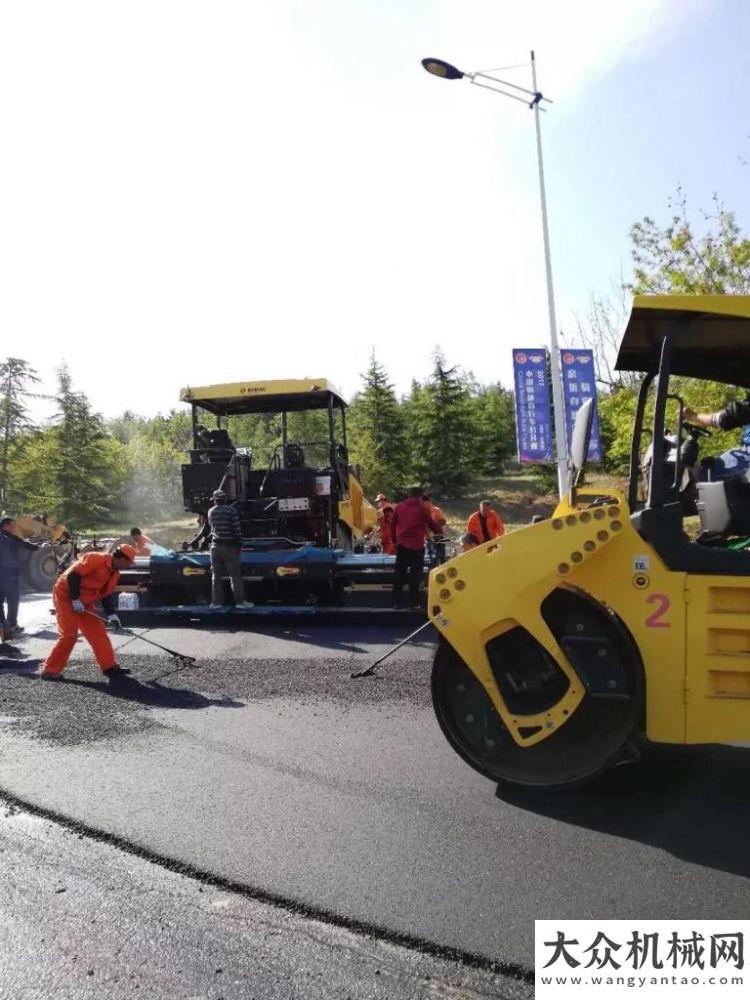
[{"x": 194, "y": 193}]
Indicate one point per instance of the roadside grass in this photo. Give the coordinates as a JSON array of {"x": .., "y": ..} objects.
[
  {"x": 170, "y": 531},
  {"x": 517, "y": 496}
]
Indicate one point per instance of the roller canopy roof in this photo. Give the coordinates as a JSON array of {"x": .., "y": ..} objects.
[
  {"x": 275, "y": 396},
  {"x": 710, "y": 334}
]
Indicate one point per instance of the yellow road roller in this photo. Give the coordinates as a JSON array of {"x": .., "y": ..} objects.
[{"x": 567, "y": 643}]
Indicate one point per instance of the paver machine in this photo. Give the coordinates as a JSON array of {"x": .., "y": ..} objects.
[
  {"x": 622, "y": 618},
  {"x": 303, "y": 512}
]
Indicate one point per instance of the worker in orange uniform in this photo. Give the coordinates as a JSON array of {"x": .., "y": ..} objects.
[
  {"x": 91, "y": 579},
  {"x": 485, "y": 523},
  {"x": 385, "y": 516},
  {"x": 141, "y": 543},
  {"x": 435, "y": 512}
]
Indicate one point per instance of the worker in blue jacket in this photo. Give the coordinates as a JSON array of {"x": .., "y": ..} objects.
[{"x": 10, "y": 571}]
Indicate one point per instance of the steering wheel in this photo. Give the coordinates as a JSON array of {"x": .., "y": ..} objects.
[{"x": 687, "y": 447}]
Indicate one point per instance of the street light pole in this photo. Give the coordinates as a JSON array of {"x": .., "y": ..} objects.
[
  {"x": 531, "y": 98},
  {"x": 563, "y": 469}
]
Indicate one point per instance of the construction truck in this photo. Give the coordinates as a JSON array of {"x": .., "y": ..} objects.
[
  {"x": 303, "y": 512},
  {"x": 40, "y": 569},
  {"x": 567, "y": 644}
]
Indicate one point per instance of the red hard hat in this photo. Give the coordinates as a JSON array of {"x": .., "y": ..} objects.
[{"x": 127, "y": 550}]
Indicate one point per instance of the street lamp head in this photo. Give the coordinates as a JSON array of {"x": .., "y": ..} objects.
[{"x": 439, "y": 67}]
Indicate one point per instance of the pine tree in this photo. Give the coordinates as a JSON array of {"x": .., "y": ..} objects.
[
  {"x": 16, "y": 379},
  {"x": 87, "y": 470},
  {"x": 376, "y": 432},
  {"x": 494, "y": 422},
  {"x": 156, "y": 449},
  {"x": 444, "y": 454}
]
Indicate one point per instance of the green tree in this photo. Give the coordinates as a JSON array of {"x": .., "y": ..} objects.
[
  {"x": 260, "y": 433},
  {"x": 376, "y": 432},
  {"x": 156, "y": 448},
  {"x": 17, "y": 378},
  {"x": 310, "y": 429},
  {"x": 492, "y": 413},
  {"x": 678, "y": 258},
  {"x": 125, "y": 427},
  {"x": 443, "y": 455},
  {"x": 73, "y": 469}
]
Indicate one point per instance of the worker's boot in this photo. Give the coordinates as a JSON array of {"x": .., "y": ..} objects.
[
  {"x": 44, "y": 676},
  {"x": 245, "y": 604},
  {"x": 116, "y": 673}
]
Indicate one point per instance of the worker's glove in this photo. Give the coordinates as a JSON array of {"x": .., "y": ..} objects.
[
  {"x": 113, "y": 621},
  {"x": 78, "y": 606}
]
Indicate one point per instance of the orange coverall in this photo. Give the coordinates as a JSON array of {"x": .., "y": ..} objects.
[
  {"x": 385, "y": 513},
  {"x": 98, "y": 580},
  {"x": 142, "y": 544},
  {"x": 494, "y": 522},
  {"x": 436, "y": 514}
]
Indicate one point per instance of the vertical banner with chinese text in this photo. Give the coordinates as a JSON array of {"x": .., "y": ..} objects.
[
  {"x": 579, "y": 385},
  {"x": 533, "y": 413}
]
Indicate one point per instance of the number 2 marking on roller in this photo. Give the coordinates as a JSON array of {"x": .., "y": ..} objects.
[{"x": 654, "y": 620}]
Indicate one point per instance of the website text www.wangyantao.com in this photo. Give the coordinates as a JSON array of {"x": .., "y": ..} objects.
[{"x": 641, "y": 982}]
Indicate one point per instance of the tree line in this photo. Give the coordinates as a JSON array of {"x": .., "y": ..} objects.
[
  {"x": 446, "y": 431},
  {"x": 85, "y": 471}
]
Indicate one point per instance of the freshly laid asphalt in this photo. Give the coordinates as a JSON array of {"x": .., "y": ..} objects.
[
  {"x": 83, "y": 920},
  {"x": 270, "y": 769}
]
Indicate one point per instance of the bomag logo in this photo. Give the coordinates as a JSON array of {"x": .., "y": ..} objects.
[
  {"x": 194, "y": 571},
  {"x": 253, "y": 388},
  {"x": 288, "y": 571}
]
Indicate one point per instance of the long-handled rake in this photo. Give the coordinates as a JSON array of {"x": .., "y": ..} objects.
[
  {"x": 185, "y": 660},
  {"x": 369, "y": 671}
]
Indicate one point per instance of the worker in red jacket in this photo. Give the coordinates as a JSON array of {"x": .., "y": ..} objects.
[
  {"x": 410, "y": 523},
  {"x": 90, "y": 580},
  {"x": 385, "y": 517},
  {"x": 485, "y": 523}
]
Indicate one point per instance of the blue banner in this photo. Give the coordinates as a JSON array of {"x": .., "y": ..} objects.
[
  {"x": 579, "y": 384},
  {"x": 533, "y": 412}
]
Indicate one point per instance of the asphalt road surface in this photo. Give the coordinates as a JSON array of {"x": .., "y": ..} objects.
[
  {"x": 83, "y": 920},
  {"x": 268, "y": 770}
]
